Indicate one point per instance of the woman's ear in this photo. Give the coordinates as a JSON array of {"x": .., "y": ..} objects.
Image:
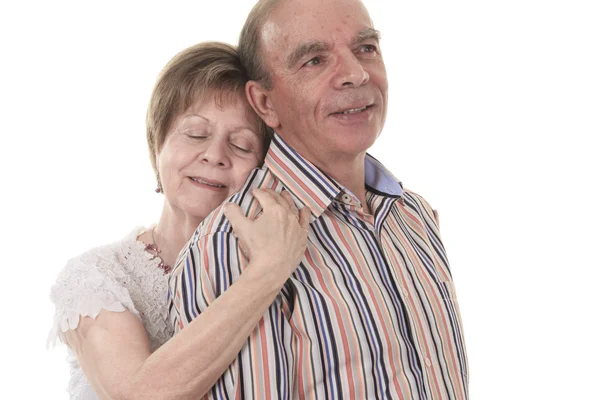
[{"x": 259, "y": 99}]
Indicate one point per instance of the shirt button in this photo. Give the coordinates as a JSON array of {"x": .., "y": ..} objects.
[
  {"x": 428, "y": 362},
  {"x": 346, "y": 198}
]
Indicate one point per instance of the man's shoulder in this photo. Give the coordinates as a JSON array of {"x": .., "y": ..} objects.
[
  {"x": 418, "y": 203},
  {"x": 415, "y": 198}
]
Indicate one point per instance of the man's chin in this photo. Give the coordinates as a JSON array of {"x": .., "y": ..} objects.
[{"x": 353, "y": 142}]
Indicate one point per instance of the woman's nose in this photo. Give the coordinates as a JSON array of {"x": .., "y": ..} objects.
[{"x": 215, "y": 153}]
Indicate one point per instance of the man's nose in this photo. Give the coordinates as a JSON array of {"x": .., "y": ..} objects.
[{"x": 350, "y": 71}]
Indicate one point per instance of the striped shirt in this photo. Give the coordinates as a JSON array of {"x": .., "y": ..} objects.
[{"x": 370, "y": 313}]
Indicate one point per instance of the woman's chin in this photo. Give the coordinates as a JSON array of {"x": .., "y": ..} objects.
[{"x": 199, "y": 209}]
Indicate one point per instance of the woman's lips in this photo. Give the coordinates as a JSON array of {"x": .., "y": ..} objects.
[{"x": 207, "y": 183}]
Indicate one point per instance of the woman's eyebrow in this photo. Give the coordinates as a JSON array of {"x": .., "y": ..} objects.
[
  {"x": 196, "y": 116},
  {"x": 241, "y": 128}
]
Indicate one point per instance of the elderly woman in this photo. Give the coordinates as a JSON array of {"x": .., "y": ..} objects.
[{"x": 204, "y": 140}]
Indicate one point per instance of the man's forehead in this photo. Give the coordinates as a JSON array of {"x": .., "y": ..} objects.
[
  {"x": 295, "y": 23},
  {"x": 270, "y": 33}
]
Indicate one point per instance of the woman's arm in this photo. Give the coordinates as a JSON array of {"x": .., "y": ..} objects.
[{"x": 113, "y": 349}]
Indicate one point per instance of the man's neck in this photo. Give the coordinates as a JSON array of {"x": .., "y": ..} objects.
[
  {"x": 346, "y": 169},
  {"x": 349, "y": 172}
]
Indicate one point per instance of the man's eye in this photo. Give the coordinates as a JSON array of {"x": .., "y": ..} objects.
[
  {"x": 368, "y": 48},
  {"x": 314, "y": 61}
]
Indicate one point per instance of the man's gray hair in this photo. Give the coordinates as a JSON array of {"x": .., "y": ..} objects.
[{"x": 250, "y": 43}]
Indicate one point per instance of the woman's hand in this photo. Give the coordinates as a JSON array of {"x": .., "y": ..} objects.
[
  {"x": 275, "y": 242},
  {"x": 114, "y": 351}
]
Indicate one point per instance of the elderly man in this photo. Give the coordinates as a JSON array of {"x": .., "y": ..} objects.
[{"x": 370, "y": 313}]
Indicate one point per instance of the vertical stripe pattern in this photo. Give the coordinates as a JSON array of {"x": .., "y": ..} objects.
[{"x": 371, "y": 311}]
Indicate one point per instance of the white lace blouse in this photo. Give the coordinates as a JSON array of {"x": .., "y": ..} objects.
[{"x": 117, "y": 277}]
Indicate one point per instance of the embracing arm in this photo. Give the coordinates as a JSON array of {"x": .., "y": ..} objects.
[
  {"x": 113, "y": 349},
  {"x": 114, "y": 352}
]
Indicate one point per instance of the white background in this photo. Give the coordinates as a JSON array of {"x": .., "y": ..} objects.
[{"x": 493, "y": 117}]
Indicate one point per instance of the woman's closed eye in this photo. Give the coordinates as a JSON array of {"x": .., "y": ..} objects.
[
  {"x": 195, "y": 133},
  {"x": 242, "y": 147},
  {"x": 244, "y": 142}
]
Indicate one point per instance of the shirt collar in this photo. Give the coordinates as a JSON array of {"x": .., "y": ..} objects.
[
  {"x": 379, "y": 180},
  {"x": 315, "y": 189}
]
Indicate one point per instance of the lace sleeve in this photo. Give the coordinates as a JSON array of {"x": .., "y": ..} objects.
[{"x": 88, "y": 284}]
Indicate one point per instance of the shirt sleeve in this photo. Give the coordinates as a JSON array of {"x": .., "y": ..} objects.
[
  {"x": 88, "y": 284},
  {"x": 204, "y": 270}
]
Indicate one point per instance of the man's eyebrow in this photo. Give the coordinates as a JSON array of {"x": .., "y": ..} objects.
[
  {"x": 367, "y": 34},
  {"x": 303, "y": 50}
]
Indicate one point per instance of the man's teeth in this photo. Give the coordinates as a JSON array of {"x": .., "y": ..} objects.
[
  {"x": 355, "y": 110},
  {"x": 207, "y": 183}
]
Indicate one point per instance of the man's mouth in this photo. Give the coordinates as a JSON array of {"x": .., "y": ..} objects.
[
  {"x": 205, "y": 182},
  {"x": 354, "y": 110}
]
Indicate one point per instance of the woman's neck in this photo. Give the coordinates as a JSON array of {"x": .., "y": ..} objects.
[{"x": 173, "y": 230}]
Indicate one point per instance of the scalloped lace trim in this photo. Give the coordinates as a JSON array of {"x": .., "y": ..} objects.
[{"x": 117, "y": 277}]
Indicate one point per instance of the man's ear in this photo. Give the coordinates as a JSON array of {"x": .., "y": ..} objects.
[{"x": 259, "y": 99}]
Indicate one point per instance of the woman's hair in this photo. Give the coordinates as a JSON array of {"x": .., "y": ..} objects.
[{"x": 205, "y": 69}]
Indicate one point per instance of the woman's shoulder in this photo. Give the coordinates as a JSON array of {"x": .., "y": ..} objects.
[{"x": 95, "y": 280}]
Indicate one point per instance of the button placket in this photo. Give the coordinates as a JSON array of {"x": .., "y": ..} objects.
[{"x": 402, "y": 281}]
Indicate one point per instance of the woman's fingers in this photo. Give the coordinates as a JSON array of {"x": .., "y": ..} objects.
[
  {"x": 284, "y": 199},
  {"x": 276, "y": 197},
  {"x": 290, "y": 202},
  {"x": 241, "y": 225},
  {"x": 304, "y": 218},
  {"x": 264, "y": 198},
  {"x": 276, "y": 240},
  {"x": 269, "y": 198},
  {"x": 236, "y": 217}
]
